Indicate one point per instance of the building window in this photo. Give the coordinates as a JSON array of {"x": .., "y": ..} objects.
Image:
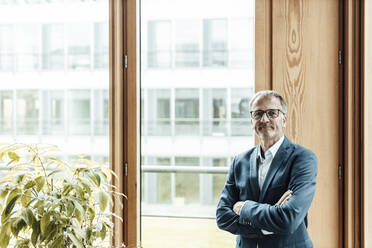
[
  {"x": 6, "y": 47},
  {"x": 159, "y": 122},
  {"x": 53, "y": 113},
  {"x": 214, "y": 112},
  {"x": 242, "y": 43},
  {"x": 27, "y": 109},
  {"x": 28, "y": 47},
  {"x": 215, "y": 42},
  {"x": 101, "y": 45},
  {"x": 79, "y": 112},
  {"x": 187, "y": 112},
  {"x": 187, "y": 185},
  {"x": 158, "y": 185},
  {"x": 187, "y": 46},
  {"x": 240, "y": 118},
  {"x": 159, "y": 44},
  {"x": 78, "y": 35},
  {"x": 53, "y": 37},
  {"x": 100, "y": 114},
  {"x": 6, "y": 112}
]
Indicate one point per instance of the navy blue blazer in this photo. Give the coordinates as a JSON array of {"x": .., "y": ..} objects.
[{"x": 293, "y": 167}]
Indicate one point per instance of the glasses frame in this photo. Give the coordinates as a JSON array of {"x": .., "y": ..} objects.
[{"x": 264, "y": 112}]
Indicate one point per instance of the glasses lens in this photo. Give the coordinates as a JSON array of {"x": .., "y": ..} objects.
[
  {"x": 257, "y": 114},
  {"x": 272, "y": 113}
]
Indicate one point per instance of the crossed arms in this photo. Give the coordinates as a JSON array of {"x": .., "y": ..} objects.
[{"x": 280, "y": 218}]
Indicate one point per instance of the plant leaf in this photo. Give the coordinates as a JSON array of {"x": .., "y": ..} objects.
[
  {"x": 75, "y": 240},
  {"x": 13, "y": 156},
  {"x": 40, "y": 181},
  {"x": 26, "y": 198},
  {"x": 58, "y": 242},
  {"x": 30, "y": 184},
  {"x": 70, "y": 208},
  {"x": 79, "y": 207},
  {"x": 28, "y": 216},
  {"x": 9, "y": 207},
  {"x": 5, "y": 235},
  {"x": 44, "y": 222},
  {"x": 35, "y": 232},
  {"x": 102, "y": 200},
  {"x": 103, "y": 232},
  {"x": 17, "y": 225}
]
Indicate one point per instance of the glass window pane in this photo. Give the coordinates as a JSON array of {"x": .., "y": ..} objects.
[
  {"x": 53, "y": 40},
  {"x": 214, "y": 112},
  {"x": 79, "y": 112},
  {"x": 53, "y": 116},
  {"x": 101, "y": 45},
  {"x": 54, "y": 77},
  {"x": 159, "y": 46},
  {"x": 27, "y": 42},
  {"x": 240, "y": 117},
  {"x": 215, "y": 42},
  {"x": 187, "y": 33},
  {"x": 6, "y": 112},
  {"x": 100, "y": 115},
  {"x": 158, "y": 108},
  {"x": 78, "y": 45},
  {"x": 28, "y": 109},
  {"x": 242, "y": 42},
  {"x": 194, "y": 97},
  {"x": 187, "y": 185},
  {"x": 187, "y": 112},
  {"x": 7, "y": 47}
]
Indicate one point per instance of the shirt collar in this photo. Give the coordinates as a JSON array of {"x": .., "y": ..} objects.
[{"x": 272, "y": 150}]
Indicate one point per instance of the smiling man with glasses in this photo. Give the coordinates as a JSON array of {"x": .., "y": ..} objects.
[{"x": 269, "y": 188}]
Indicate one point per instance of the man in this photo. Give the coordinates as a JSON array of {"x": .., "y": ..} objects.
[{"x": 269, "y": 188}]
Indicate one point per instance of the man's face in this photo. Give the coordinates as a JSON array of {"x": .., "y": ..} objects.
[{"x": 268, "y": 128}]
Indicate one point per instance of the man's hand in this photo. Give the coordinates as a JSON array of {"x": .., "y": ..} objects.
[
  {"x": 237, "y": 207},
  {"x": 285, "y": 197}
]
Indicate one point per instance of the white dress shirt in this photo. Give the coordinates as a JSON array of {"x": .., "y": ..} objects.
[{"x": 264, "y": 165}]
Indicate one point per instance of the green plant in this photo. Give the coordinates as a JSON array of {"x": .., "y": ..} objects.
[{"x": 45, "y": 202}]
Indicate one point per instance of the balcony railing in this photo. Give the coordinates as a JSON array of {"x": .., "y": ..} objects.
[
  {"x": 241, "y": 58},
  {"x": 184, "y": 169},
  {"x": 197, "y": 127}
]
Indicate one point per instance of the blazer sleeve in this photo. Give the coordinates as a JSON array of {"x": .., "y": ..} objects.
[
  {"x": 285, "y": 219},
  {"x": 226, "y": 218}
]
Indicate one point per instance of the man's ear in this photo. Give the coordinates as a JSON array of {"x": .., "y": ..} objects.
[{"x": 284, "y": 120}]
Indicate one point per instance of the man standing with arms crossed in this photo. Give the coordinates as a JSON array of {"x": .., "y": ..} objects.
[{"x": 269, "y": 188}]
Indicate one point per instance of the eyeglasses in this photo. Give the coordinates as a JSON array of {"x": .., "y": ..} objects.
[{"x": 270, "y": 113}]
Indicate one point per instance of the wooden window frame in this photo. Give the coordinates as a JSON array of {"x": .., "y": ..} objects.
[
  {"x": 124, "y": 117},
  {"x": 124, "y": 113}
]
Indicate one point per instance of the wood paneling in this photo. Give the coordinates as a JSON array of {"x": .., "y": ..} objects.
[
  {"x": 305, "y": 69},
  {"x": 263, "y": 44}
]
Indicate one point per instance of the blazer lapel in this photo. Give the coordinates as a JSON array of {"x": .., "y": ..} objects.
[
  {"x": 278, "y": 160},
  {"x": 255, "y": 189}
]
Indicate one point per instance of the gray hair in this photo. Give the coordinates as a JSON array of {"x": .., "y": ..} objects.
[{"x": 269, "y": 93}]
